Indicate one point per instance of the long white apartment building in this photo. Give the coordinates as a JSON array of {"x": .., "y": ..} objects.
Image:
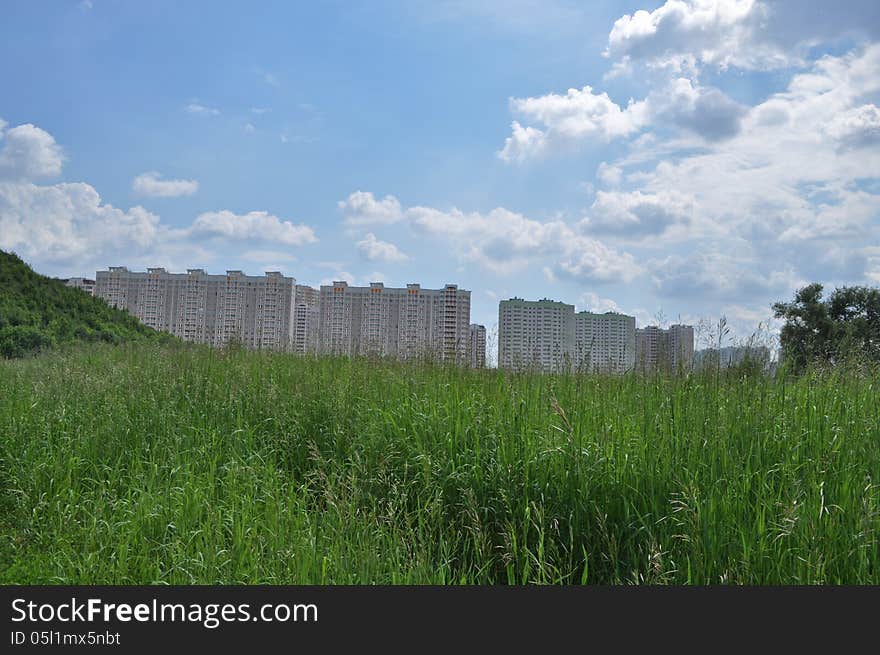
[
  {"x": 670, "y": 349},
  {"x": 549, "y": 336},
  {"x": 406, "y": 323},
  {"x": 257, "y": 311}
]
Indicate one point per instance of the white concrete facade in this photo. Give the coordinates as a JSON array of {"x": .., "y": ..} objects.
[
  {"x": 257, "y": 311},
  {"x": 549, "y": 336},
  {"x": 405, "y": 323},
  {"x": 477, "y": 346},
  {"x": 669, "y": 349},
  {"x": 604, "y": 343}
]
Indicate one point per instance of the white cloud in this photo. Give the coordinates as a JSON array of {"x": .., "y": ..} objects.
[
  {"x": 64, "y": 228},
  {"x": 685, "y": 35},
  {"x": 150, "y": 184},
  {"x": 682, "y": 32},
  {"x": 523, "y": 143},
  {"x": 567, "y": 119},
  {"x": 638, "y": 214},
  {"x": 704, "y": 111},
  {"x": 341, "y": 276},
  {"x": 794, "y": 170},
  {"x": 720, "y": 276},
  {"x": 373, "y": 249},
  {"x": 201, "y": 110},
  {"x": 28, "y": 152},
  {"x": 249, "y": 128},
  {"x": 362, "y": 208},
  {"x": 592, "y": 302},
  {"x": 609, "y": 175},
  {"x": 69, "y": 223},
  {"x": 253, "y": 226},
  {"x": 856, "y": 127}
]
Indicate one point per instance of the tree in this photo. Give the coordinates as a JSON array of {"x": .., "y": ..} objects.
[{"x": 845, "y": 325}]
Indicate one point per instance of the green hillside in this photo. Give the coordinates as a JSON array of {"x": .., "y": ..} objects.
[{"x": 38, "y": 313}]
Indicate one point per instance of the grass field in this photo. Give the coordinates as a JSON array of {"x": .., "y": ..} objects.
[{"x": 164, "y": 464}]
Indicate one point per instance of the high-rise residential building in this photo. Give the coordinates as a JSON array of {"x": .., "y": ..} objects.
[
  {"x": 604, "y": 343},
  {"x": 83, "y": 283},
  {"x": 305, "y": 320},
  {"x": 257, "y": 311},
  {"x": 732, "y": 356},
  {"x": 477, "y": 347},
  {"x": 396, "y": 322},
  {"x": 535, "y": 334},
  {"x": 669, "y": 349},
  {"x": 549, "y": 336}
]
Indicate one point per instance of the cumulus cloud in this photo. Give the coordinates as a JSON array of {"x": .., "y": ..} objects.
[
  {"x": 567, "y": 119},
  {"x": 719, "y": 276},
  {"x": 681, "y": 32},
  {"x": 685, "y": 35},
  {"x": 67, "y": 227},
  {"x": 592, "y": 302},
  {"x": 28, "y": 153},
  {"x": 68, "y": 222},
  {"x": 253, "y": 226},
  {"x": 362, "y": 208},
  {"x": 857, "y": 127},
  {"x": 373, "y": 249},
  {"x": 796, "y": 169},
  {"x": 150, "y": 184},
  {"x": 523, "y": 143},
  {"x": 609, "y": 174},
  {"x": 707, "y": 112},
  {"x": 503, "y": 241},
  {"x": 638, "y": 214},
  {"x": 582, "y": 115}
]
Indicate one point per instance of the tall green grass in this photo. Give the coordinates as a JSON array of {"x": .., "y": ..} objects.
[{"x": 151, "y": 464}]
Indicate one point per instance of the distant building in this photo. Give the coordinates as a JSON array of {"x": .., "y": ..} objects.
[
  {"x": 549, "y": 336},
  {"x": 81, "y": 283},
  {"x": 731, "y": 356},
  {"x": 604, "y": 343},
  {"x": 405, "y": 323},
  {"x": 477, "y": 346},
  {"x": 535, "y": 334},
  {"x": 256, "y": 311},
  {"x": 306, "y": 315},
  {"x": 669, "y": 349}
]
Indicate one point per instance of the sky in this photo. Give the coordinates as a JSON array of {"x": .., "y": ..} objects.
[{"x": 677, "y": 161}]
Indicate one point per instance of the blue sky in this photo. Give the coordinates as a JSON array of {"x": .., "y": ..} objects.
[{"x": 697, "y": 158}]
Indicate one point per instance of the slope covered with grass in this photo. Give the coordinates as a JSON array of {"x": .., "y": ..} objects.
[
  {"x": 169, "y": 465},
  {"x": 38, "y": 313}
]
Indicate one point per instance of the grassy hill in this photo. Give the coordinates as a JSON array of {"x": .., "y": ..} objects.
[{"x": 38, "y": 313}]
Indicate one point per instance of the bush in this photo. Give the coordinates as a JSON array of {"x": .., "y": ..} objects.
[{"x": 22, "y": 340}]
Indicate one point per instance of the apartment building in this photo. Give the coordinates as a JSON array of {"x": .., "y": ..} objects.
[
  {"x": 669, "y": 349},
  {"x": 257, "y": 311},
  {"x": 477, "y": 347},
  {"x": 85, "y": 284},
  {"x": 604, "y": 343},
  {"x": 394, "y": 322},
  {"x": 305, "y": 320},
  {"x": 535, "y": 334},
  {"x": 549, "y": 336}
]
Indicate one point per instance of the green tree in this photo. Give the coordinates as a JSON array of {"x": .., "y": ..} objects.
[{"x": 846, "y": 324}]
